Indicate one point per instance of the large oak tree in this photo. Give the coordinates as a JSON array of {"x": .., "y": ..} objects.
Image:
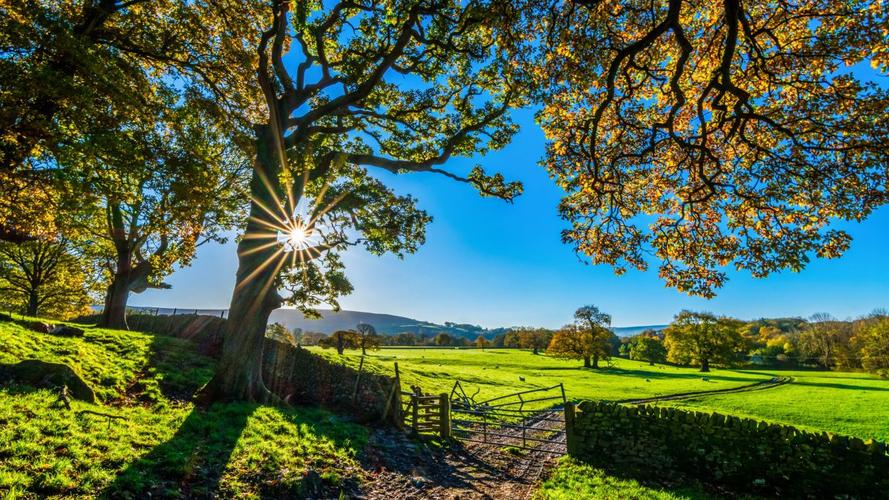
[{"x": 395, "y": 86}]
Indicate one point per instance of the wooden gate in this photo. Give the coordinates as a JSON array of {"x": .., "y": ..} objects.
[
  {"x": 527, "y": 420},
  {"x": 426, "y": 414}
]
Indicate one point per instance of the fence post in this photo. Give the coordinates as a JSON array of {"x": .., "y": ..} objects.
[
  {"x": 444, "y": 410},
  {"x": 570, "y": 440},
  {"x": 415, "y": 411}
]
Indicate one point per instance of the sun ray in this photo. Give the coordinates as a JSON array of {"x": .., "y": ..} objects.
[
  {"x": 260, "y": 248},
  {"x": 259, "y": 268}
]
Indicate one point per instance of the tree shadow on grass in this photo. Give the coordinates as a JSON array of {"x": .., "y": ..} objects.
[
  {"x": 714, "y": 376},
  {"x": 189, "y": 464},
  {"x": 850, "y": 387}
]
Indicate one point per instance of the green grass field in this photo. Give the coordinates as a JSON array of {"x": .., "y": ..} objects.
[
  {"x": 856, "y": 404},
  {"x": 163, "y": 444},
  {"x": 495, "y": 372},
  {"x": 166, "y": 446}
]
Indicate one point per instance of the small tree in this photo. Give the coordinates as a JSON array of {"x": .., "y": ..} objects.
[
  {"x": 368, "y": 338},
  {"x": 404, "y": 338},
  {"x": 341, "y": 340},
  {"x": 572, "y": 342},
  {"x": 443, "y": 339},
  {"x": 873, "y": 342},
  {"x": 481, "y": 342},
  {"x": 703, "y": 339},
  {"x": 511, "y": 339},
  {"x": 828, "y": 340},
  {"x": 43, "y": 277},
  {"x": 595, "y": 323},
  {"x": 646, "y": 348},
  {"x": 279, "y": 332},
  {"x": 534, "y": 339}
]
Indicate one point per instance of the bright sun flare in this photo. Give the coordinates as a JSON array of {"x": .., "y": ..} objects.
[{"x": 298, "y": 237}]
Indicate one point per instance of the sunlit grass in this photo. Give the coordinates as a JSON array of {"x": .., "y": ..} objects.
[
  {"x": 855, "y": 404},
  {"x": 573, "y": 480},
  {"x": 496, "y": 372},
  {"x": 162, "y": 446}
]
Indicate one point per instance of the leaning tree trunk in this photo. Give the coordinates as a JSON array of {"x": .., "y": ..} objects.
[
  {"x": 239, "y": 372},
  {"x": 114, "y": 315}
]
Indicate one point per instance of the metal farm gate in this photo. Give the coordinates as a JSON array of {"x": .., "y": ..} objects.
[{"x": 531, "y": 420}]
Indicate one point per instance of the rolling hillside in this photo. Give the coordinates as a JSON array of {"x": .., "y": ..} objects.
[{"x": 386, "y": 324}]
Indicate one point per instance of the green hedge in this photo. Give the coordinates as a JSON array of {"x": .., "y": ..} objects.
[{"x": 743, "y": 455}]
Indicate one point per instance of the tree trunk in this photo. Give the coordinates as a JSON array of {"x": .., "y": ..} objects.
[
  {"x": 596, "y": 361},
  {"x": 705, "y": 365},
  {"x": 586, "y": 361},
  {"x": 650, "y": 362},
  {"x": 33, "y": 303},
  {"x": 239, "y": 372},
  {"x": 535, "y": 350}
]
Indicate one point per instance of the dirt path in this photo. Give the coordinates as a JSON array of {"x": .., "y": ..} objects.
[
  {"x": 465, "y": 470},
  {"x": 758, "y": 386}
]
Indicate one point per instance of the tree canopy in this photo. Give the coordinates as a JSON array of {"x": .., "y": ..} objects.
[
  {"x": 702, "y": 339},
  {"x": 44, "y": 277},
  {"x": 713, "y": 134}
]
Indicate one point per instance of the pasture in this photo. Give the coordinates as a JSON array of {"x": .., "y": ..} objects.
[{"x": 856, "y": 404}]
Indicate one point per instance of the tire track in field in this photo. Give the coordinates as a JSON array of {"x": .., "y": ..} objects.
[{"x": 758, "y": 386}]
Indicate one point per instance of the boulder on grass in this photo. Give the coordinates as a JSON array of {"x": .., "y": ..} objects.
[
  {"x": 43, "y": 374},
  {"x": 67, "y": 331},
  {"x": 40, "y": 327}
]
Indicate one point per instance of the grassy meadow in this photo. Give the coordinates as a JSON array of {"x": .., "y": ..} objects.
[
  {"x": 165, "y": 446},
  {"x": 496, "y": 372},
  {"x": 855, "y": 404},
  {"x": 162, "y": 445}
]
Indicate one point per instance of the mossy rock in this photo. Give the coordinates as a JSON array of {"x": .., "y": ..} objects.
[{"x": 38, "y": 373}]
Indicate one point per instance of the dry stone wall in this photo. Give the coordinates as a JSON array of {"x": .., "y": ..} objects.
[{"x": 740, "y": 454}]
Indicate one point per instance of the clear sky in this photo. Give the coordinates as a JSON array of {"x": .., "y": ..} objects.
[{"x": 492, "y": 263}]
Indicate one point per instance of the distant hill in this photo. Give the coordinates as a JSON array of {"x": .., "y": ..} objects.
[
  {"x": 629, "y": 331},
  {"x": 386, "y": 324}
]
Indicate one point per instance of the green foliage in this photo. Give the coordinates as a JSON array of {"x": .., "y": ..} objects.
[
  {"x": 340, "y": 340},
  {"x": 280, "y": 333},
  {"x": 443, "y": 339},
  {"x": 44, "y": 277},
  {"x": 647, "y": 348},
  {"x": 874, "y": 346},
  {"x": 75, "y": 71},
  {"x": 703, "y": 339}
]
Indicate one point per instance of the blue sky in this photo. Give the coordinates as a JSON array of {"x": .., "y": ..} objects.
[{"x": 491, "y": 263}]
